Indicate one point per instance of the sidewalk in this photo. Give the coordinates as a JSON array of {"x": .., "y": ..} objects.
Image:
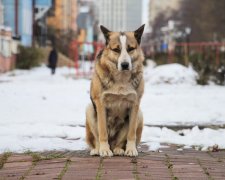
[{"x": 169, "y": 163}]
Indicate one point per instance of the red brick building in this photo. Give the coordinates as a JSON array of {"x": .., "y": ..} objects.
[{"x": 8, "y": 50}]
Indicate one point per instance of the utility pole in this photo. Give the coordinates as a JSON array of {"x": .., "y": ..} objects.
[
  {"x": 1, "y": 13},
  {"x": 33, "y": 21},
  {"x": 16, "y": 18}
]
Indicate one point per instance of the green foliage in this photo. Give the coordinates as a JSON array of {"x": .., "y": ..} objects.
[
  {"x": 161, "y": 58},
  {"x": 207, "y": 68},
  {"x": 29, "y": 57}
]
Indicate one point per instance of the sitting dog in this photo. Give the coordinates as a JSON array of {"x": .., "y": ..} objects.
[{"x": 114, "y": 121}]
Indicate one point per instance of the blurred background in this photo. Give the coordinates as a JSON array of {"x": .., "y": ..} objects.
[
  {"x": 177, "y": 31},
  {"x": 184, "y": 48}
]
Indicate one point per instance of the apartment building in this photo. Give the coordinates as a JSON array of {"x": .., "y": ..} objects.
[
  {"x": 117, "y": 15},
  {"x": 63, "y": 16}
]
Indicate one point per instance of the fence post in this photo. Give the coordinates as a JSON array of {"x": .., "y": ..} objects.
[
  {"x": 170, "y": 56},
  {"x": 186, "y": 58},
  {"x": 217, "y": 55},
  {"x": 76, "y": 57}
]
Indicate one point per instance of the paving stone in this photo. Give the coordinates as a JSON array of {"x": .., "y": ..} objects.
[
  {"x": 14, "y": 170},
  {"x": 87, "y": 159},
  {"x": 16, "y": 164},
  {"x": 47, "y": 169},
  {"x": 81, "y": 176},
  {"x": 186, "y": 164},
  {"x": 220, "y": 154},
  {"x": 117, "y": 174},
  {"x": 191, "y": 175},
  {"x": 19, "y": 158},
  {"x": 42, "y": 177},
  {"x": 117, "y": 168},
  {"x": 154, "y": 177},
  {"x": 153, "y": 169},
  {"x": 214, "y": 168},
  {"x": 82, "y": 168},
  {"x": 188, "y": 171},
  {"x": 118, "y": 163}
]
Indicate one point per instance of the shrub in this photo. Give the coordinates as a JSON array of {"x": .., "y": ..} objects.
[
  {"x": 29, "y": 57},
  {"x": 204, "y": 62},
  {"x": 208, "y": 70},
  {"x": 61, "y": 39}
]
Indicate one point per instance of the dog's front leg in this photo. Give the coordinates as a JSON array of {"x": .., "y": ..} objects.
[
  {"x": 131, "y": 149},
  {"x": 104, "y": 149}
]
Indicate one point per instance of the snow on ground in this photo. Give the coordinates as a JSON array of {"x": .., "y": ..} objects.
[
  {"x": 43, "y": 112},
  {"x": 173, "y": 98},
  {"x": 170, "y": 74},
  {"x": 183, "y": 105},
  {"x": 203, "y": 139}
]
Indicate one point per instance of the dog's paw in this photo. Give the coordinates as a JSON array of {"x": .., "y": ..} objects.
[
  {"x": 103, "y": 152},
  {"x": 131, "y": 151},
  {"x": 94, "y": 152},
  {"x": 118, "y": 151}
]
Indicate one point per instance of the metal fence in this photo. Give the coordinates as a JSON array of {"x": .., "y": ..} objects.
[
  {"x": 84, "y": 54},
  {"x": 184, "y": 53}
]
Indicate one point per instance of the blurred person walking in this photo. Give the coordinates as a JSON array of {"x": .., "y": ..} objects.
[{"x": 52, "y": 60}]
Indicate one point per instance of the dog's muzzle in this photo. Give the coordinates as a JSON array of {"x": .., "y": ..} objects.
[{"x": 124, "y": 66}]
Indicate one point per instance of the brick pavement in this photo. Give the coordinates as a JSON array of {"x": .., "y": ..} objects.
[{"x": 169, "y": 163}]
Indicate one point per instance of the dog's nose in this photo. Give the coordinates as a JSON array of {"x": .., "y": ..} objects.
[{"x": 125, "y": 66}]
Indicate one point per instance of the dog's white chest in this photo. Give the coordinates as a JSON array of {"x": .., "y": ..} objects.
[{"x": 119, "y": 97}]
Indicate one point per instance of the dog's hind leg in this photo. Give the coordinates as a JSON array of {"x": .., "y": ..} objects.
[{"x": 91, "y": 130}]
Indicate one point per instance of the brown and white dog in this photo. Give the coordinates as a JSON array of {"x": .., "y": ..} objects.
[{"x": 114, "y": 120}]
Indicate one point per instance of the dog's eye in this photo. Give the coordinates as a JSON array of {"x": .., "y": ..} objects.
[
  {"x": 129, "y": 49},
  {"x": 117, "y": 50}
]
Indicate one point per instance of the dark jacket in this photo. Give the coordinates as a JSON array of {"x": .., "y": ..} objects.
[{"x": 52, "y": 59}]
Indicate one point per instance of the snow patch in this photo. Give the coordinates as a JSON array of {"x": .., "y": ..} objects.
[
  {"x": 204, "y": 138},
  {"x": 170, "y": 74}
]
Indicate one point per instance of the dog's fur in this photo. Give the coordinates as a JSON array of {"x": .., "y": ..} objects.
[{"x": 114, "y": 120}]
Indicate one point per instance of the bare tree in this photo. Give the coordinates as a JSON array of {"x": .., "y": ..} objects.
[{"x": 206, "y": 18}]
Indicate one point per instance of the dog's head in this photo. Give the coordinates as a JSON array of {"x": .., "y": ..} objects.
[{"x": 123, "y": 48}]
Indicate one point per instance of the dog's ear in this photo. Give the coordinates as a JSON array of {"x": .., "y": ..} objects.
[
  {"x": 106, "y": 32},
  {"x": 138, "y": 33}
]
